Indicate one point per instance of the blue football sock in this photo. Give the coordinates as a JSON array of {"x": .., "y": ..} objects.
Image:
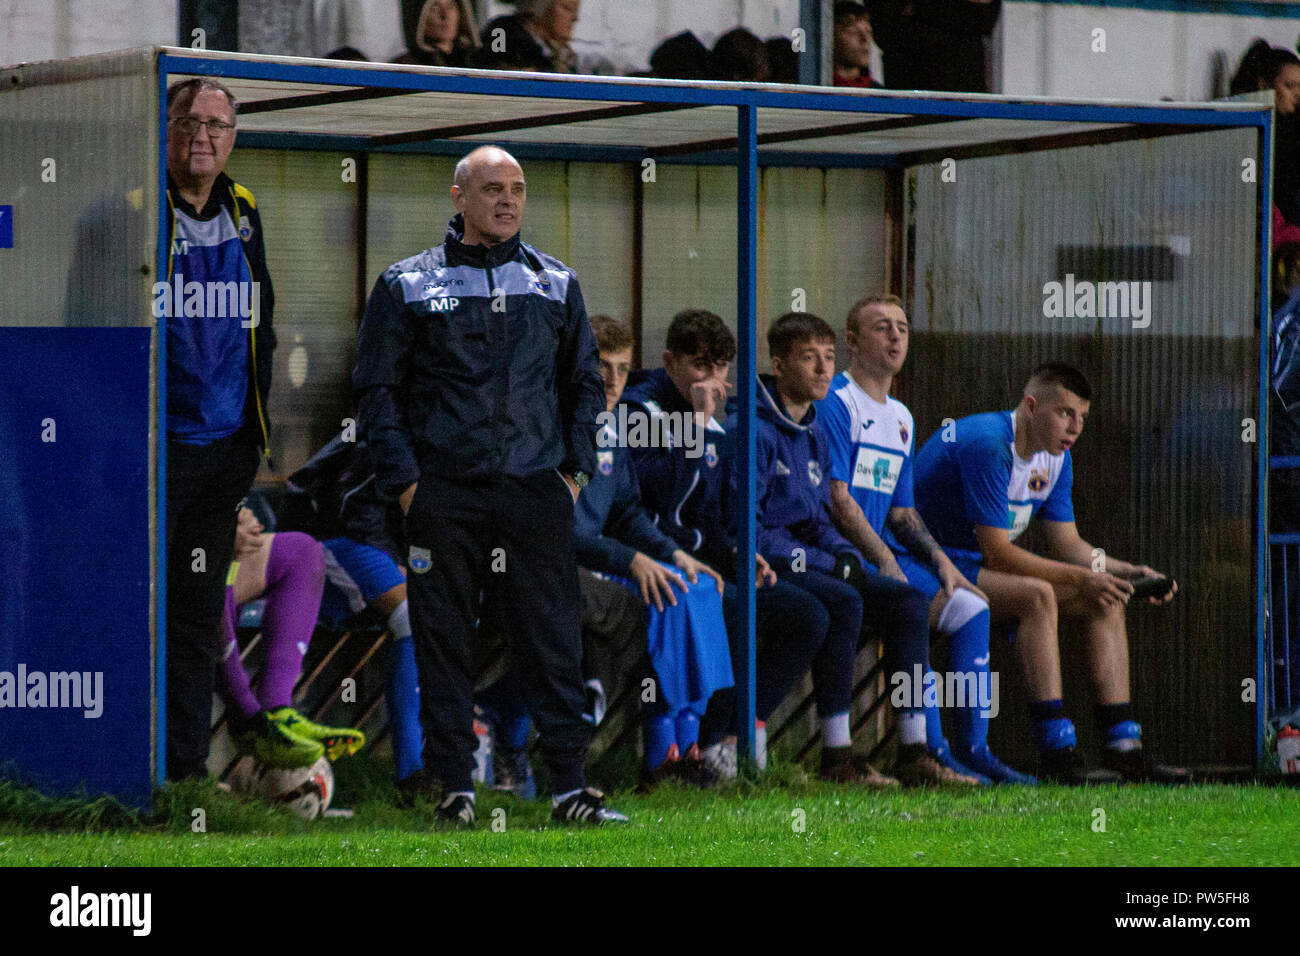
[
  {"x": 933, "y": 725},
  {"x": 503, "y": 702},
  {"x": 687, "y": 727},
  {"x": 1052, "y": 729},
  {"x": 515, "y": 730},
  {"x": 403, "y": 699},
  {"x": 968, "y": 653},
  {"x": 659, "y": 734}
]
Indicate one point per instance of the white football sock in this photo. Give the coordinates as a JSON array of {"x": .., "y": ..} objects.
[
  {"x": 835, "y": 731},
  {"x": 911, "y": 727}
]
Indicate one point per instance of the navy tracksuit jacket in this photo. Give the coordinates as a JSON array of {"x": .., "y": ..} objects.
[{"x": 477, "y": 376}]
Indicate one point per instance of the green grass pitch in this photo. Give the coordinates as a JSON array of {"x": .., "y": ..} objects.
[{"x": 783, "y": 820}]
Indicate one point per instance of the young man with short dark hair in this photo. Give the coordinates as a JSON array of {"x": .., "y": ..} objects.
[
  {"x": 684, "y": 466},
  {"x": 979, "y": 483}
]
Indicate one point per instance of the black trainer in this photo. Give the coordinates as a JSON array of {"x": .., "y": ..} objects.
[
  {"x": 456, "y": 812},
  {"x": 1065, "y": 765},
  {"x": 1135, "y": 767},
  {"x": 586, "y": 806}
]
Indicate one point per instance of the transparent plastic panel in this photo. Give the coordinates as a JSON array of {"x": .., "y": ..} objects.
[
  {"x": 689, "y": 249},
  {"x": 581, "y": 213},
  {"x": 78, "y": 192},
  {"x": 821, "y": 244},
  {"x": 310, "y": 209},
  {"x": 1161, "y": 236}
]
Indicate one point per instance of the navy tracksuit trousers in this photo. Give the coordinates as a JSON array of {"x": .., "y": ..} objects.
[{"x": 511, "y": 539}]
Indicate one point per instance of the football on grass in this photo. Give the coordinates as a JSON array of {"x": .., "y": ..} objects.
[{"x": 307, "y": 791}]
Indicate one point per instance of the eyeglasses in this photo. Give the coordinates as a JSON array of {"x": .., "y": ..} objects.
[{"x": 216, "y": 129}]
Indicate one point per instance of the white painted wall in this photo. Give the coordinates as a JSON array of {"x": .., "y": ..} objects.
[
  {"x": 32, "y": 30},
  {"x": 1039, "y": 48},
  {"x": 624, "y": 32},
  {"x": 1045, "y": 49},
  {"x": 619, "y": 32}
]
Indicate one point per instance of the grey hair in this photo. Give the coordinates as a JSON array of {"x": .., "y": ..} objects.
[{"x": 183, "y": 93}]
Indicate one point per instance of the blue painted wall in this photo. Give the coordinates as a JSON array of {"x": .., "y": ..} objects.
[{"x": 74, "y": 555}]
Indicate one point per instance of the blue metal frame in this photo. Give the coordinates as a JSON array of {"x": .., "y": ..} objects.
[
  {"x": 1263, "y": 575},
  {"x": 810, "y": 61},
  {"x": 160, "y": 433},
  {"x": 976, "y": 107},
  {"x": 747, "y": 101},
  {"x": 746, "y": 372}
]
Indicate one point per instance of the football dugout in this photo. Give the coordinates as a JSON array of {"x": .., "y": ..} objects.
[{"x": 748, "y": 200}]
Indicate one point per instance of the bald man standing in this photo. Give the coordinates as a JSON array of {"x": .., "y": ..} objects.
[{"x": 478, "y": 387}]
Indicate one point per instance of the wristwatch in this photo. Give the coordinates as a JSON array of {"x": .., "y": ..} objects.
[{"x": 581, "y": 479}]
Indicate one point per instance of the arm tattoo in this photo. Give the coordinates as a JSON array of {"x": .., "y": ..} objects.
[{"x": 912, "y": 534}]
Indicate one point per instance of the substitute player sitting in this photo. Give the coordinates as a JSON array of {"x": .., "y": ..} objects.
[
  {"x": 799, "y": 537},
  {"x": 979, "y": 482},
  {"x": 871, "y": 438},
  {"x": 288, "y": 571}
]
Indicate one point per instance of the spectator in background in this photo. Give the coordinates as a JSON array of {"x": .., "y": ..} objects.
[
  {"x": 347, "y": 53},
  {"x": 1282, "y": 74},
  {"x": 682, "y": 57},
  {"x": 935, "y": 44},
  {"x": 740, "y": 56},
  {"x": 783, "y": 60},
  {"x": 1265, "y": 67},
  {"x": 852, "y": 51},
  {"x": 1249, "y": 77},
  {"x": 535, "y": 39},
  {"x": 446, "y": 35}
]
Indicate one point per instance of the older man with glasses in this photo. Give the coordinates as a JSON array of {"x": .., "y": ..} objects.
[{"x": 215, "y": 305}]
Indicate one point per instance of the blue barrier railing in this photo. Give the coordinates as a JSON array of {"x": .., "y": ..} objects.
[{"x": 1284, "y": 550}]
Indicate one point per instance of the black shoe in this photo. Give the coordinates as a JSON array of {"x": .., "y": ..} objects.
[
  {"x": 586, "y": 806},
  {"x": 670, "y": 769},
  {"x": 1135, "y": 767},
  {"x": 456, "y": 812},
  {"x": 1065, "y": 765},
  {"x": 693, "y": 771},
  {"x": 420, "y": 785}
]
